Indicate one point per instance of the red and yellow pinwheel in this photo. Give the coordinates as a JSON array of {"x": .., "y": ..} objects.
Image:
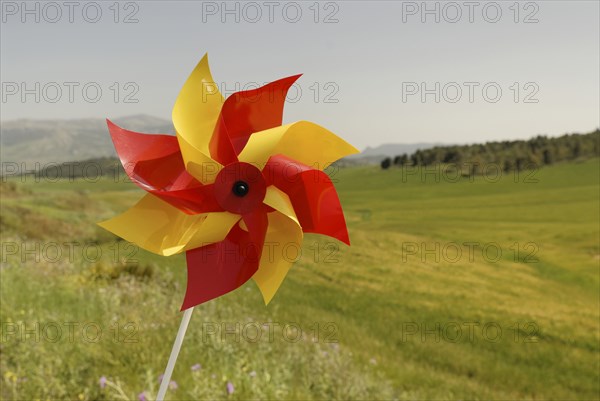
[{"x": 232, "y": 188}]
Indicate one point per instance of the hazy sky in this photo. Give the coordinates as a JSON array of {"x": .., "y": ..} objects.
[{"x": 366, "y": 65}]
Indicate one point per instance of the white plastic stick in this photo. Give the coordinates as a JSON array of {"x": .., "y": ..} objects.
[{"x": 164, "y": 384}]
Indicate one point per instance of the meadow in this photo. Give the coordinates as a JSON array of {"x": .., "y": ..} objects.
[{"x": 454, "y": 287}]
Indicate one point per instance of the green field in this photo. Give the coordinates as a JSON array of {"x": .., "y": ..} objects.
[{"x": 466, "y": 288}]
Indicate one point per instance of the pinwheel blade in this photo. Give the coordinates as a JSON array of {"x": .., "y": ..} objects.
[
  {"x": 154, "y": 163},
  {"x": 282, "y": 247},
  {"x": 303, "y": 141},
  {"x": 195, "y": 115},
  {"x": 217, "y": 269},
  {"x": 156, "y": 226},
  {"x": 278, "y": 200},
  {"x": 312, "y": 195},
  {"x": 245, "y": 113}
]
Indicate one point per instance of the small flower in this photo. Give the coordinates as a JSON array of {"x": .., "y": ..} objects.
[
  {"x": 230, "y": 388},
  {"x": 173, "y": 385},
  {"x": 196, "y": 367},
  {"x": 142, "y": 396},
  {"x": 252, "y": 374},
  {"x": 102, "y": 382}
]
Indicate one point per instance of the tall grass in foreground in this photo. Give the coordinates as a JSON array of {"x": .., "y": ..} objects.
[{"x": 396, "y": 316}]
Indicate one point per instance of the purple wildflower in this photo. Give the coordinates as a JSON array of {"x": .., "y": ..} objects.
[
  {"x": 102, "y": 382},
  {"x": 230, "y": 388},
  {"x": 196, "y": 367},
  {"x": 142, "y": 396},
  {"x": 173, "y": 385}
]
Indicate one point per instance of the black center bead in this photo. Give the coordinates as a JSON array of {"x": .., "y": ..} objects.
[{"x": 240, "y": 188}]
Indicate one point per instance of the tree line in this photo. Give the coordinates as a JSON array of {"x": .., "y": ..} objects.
[{"x": 507, "y": 155}]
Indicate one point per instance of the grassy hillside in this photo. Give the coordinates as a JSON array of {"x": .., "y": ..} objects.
[
  {"x": 477, "y": 288},
  {"x": 37, "y": 143}
]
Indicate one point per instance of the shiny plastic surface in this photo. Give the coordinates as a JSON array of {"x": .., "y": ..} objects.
[
  {"x": 312, "y": 195},
  {"x": 230, "y": 180},
  {"x": 303, "y": 141},
  {"x": 242, "y": 173},
  {"x": 245, "y": 113},
  {"x": 195, "y": 115},
  {"x": 219, "y": 268},
  {"x": 156, "y": 226},
  {"x": 154, "y": 163},
  {"x": 283, "y": 234}
]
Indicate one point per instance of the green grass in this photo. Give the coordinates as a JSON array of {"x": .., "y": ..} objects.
[{"x": 394, "y": 320}]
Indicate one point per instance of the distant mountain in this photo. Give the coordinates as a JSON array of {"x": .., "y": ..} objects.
[
  {"x": 394, "y": 149},
  {"x": 59, "y": 141},
  {"x": 377, "y": 154},
  {"x": 47, "y": 141}
]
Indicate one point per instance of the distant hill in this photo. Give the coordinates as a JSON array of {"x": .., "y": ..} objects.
[
  {"x": 393, "y": 149},
  {"x": 507, "y": 156},
  {"x": 47, "y": 141},
  {"x": 59, "y": 141}
]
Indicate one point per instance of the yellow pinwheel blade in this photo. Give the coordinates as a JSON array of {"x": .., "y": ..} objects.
[
  {"x": 279, "y": 201},
  {"x": 282, "y": 246},
  {"x": 158, "y": 227},
  {"x": 195, "y": 115},
  {"x": 198, "y": 164},
  {"x": 303, "y": 141}
]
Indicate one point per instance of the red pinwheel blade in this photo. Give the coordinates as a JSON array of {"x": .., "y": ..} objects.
[
  {"x": 312, "y": 194},
  {"x": 155, "y": 164},
  {"x": 246, "y": 112},
  {"x": 219, "y": 268}
]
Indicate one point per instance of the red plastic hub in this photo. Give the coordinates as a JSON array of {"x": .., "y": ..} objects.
[{"x": 240, "y": 187}]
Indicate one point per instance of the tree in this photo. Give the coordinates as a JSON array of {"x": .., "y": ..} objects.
[
  {"x": 416, "y": 158},
  {"x": 401, "y": 160},
  {"x": 386, "y": 163},
  {"x": 548, "y": 157}
]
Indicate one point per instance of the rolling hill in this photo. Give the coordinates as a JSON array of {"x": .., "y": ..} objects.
[
  {"x": 468, "y": 289},
  {"x": 57, "y": 141}
]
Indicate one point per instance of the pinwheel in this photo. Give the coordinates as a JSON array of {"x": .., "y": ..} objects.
[{"x": 232, "y": 189}]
